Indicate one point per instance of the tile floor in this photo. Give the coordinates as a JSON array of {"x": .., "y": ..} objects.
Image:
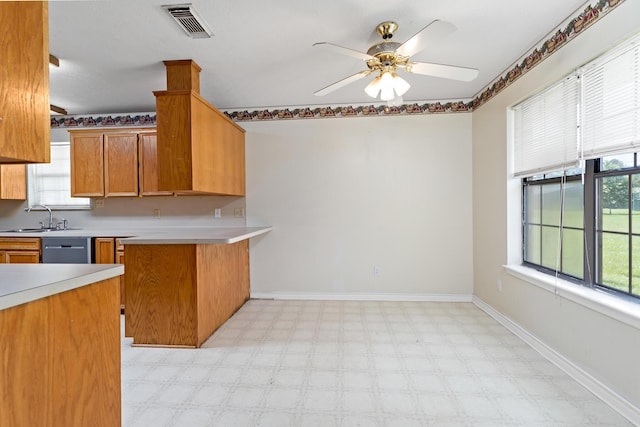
[{"x": 346, "y": 363}]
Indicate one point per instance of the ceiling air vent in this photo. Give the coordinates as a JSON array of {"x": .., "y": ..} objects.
[{"x": 189, "y": 20}]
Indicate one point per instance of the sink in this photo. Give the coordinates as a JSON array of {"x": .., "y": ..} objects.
[
  {"x": 27, "y": 230},
  {"x": 37, "y": 230}
]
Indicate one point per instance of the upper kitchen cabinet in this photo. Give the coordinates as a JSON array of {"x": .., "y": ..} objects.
[
  {"x": 148, "y": 165},
  {"x": 87, "y": 164},
  {"x": 200, "y": 150},
  {"x": 13, "y": 182},
  {"x": 24, "y": 82},
  {"x": 113, "y": 163}
]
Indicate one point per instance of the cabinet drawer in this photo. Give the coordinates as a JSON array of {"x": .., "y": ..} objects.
[
  {"x": 20, "y": 243},
  {"x": 22, "y": 257}
]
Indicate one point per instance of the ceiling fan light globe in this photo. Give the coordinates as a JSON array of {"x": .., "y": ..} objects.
[
  {"x": 386, "y": 79},
  {"x": 387, "y": 94},
  {"x": 373, "y": 88},
  {"x": 386, "y": 86},
  {"x": 400, "y": 85}
]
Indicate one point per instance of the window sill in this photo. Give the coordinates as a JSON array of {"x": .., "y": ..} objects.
[{"x": 617, "y": 308}]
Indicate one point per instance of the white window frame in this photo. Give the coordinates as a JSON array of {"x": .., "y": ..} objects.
[{"x": 50, "y": 183}]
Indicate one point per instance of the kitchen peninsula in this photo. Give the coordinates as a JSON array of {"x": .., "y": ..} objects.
[
  {"x": 180, "y": 286},
  {"x": 60, "y": 345}
]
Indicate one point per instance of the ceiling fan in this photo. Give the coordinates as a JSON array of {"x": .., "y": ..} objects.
[{"x": 387, "y": 57}]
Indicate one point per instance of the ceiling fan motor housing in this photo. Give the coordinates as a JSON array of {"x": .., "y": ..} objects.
[{"x": 385, "y": 55}]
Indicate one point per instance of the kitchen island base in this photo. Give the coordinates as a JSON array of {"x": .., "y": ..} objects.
[
  {"x": 61, "y": 359},
  {"x": 177, "y": 295}
]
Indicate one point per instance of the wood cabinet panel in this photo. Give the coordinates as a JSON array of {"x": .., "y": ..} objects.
[
  {"x": 174, "y": 148},
  {"x": 223, "y": 286},
  {"x": 20, "y": 243},
  {"x": 148, "y": 165},
  {"x": 195, "y": 153},
  {"x": 178, "y": 295},
  {"x": 114, "y": 163},
  {"x": 20, "y": 250},
  {"x": 24, "y": 82},
  {"x": 183, "y": 74},
  {"x": 22, "y": 257},
  {"x": 160, "y": 297},
  {"x": 109, "y": 250},
  {"x": 87, "y": 165},
  {"x": 61, "y": 359},
  {"x": 104, "y": 250},
  {"x": 120, "y": 260},
  {"x": 13, "y": 182},
  {"x": 25, "y": 344},
  {"x": 120, "y": 164},
  {"x": 200, "y": 150}
]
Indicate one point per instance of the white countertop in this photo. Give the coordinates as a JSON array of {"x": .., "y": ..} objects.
[
  {"x": 22, "y": 283},
  {"x": 199, "y": 235},
  {"x": 158, "y": 235}
]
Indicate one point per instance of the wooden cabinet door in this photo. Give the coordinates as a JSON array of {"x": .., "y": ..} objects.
[
  {"x": 24, "y": 82},
  {"x": 22, "y": 257},
  {"x": 13, "y": 182},
  {"x": 87, "y": 165},
  {"x": 20, "y": 250},
  {"x": 104, "y": 250},
  {"x": 120, "y": 164},
  {"x": 148, "y": 165}
]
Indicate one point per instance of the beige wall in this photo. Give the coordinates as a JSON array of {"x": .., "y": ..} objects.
[
  {"x": 345, "y": 195},
  {"x": 605, "y": 348}
]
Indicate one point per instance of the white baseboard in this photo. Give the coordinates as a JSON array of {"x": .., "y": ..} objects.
[
  {"x": 610, "y": 397},
  {"x": 362, "y": 297}
]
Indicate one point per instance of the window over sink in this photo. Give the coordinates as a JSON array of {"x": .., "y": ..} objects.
[{"x": 50, "y": 183}]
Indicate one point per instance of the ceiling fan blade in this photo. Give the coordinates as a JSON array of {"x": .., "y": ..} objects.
[
  {"x": 343, "y": 50},
  {"x": 436, "y": 30},
  {"x": 340, "y": 83},
  {"x": 445, "y": 71}
]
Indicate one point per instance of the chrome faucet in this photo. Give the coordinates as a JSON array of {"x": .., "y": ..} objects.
[{"x": 50, "y": 226}]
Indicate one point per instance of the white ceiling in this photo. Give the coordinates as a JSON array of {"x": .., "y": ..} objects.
[{"x": 261, "y": 55}]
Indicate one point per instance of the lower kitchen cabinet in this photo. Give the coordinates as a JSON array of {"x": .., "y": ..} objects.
[
  {"x": 177, "y": 295},
  {"x": 19, "y": 250},
  {"x": 109, "y": 250},
  {"x": 61, "y": 359},
  {"x": 104, "y": 249}
]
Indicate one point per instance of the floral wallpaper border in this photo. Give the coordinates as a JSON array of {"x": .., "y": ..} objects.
[
  {"x": 591, "y": 14},
  {"x": 103, "y": 121}
]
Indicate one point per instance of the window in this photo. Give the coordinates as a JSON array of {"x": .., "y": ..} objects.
[
  {"x": 584, "y": 224},
  {"x": 553, "y": 224},
  {"x": 559, "y": 238},
  {"x": 50, "y": 183}
]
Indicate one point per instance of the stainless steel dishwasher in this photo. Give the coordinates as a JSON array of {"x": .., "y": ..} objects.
[{"x": 66, "y": 250}]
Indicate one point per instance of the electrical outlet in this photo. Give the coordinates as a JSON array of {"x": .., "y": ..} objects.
[
  {"x": 98, "y": 203},
  {"x": 217, "y": 213},
  {"x": 156, "y": 213},
  {"x": 377, "y": 271},
  {"x": 238, "y": 212}
]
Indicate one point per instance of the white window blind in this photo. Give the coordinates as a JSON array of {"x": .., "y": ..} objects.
[
  {"x": 50, "y": 183},
  {"x": 546, "y": 130},
  {"x": 611, "y": 102}
]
